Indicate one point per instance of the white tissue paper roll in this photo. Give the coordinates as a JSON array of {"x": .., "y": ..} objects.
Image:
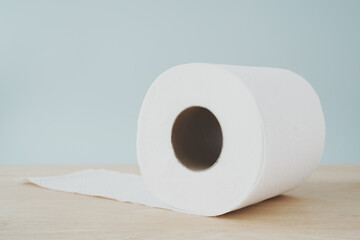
[{"x": 215, "y": 138}]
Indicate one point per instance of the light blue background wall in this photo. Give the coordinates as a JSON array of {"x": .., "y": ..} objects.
[{"x": 73, "y": 74}]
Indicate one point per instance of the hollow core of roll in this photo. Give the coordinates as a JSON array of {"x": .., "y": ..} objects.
[{"x": 197, "y": 138}]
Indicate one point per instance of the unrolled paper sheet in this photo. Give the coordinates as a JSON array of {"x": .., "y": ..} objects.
[{"x": 123, "y": 187}]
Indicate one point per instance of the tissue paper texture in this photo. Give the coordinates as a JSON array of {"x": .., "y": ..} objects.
[{"x": 123, "y": 187}]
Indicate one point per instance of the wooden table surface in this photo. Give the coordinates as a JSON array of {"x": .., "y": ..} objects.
[{"x": 327, "y": 206}]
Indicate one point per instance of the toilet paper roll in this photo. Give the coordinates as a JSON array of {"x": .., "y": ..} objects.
[{"x": 216, "y": 138}]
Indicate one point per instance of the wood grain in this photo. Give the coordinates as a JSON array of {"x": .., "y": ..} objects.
[{"x": 327, "y": 206}]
